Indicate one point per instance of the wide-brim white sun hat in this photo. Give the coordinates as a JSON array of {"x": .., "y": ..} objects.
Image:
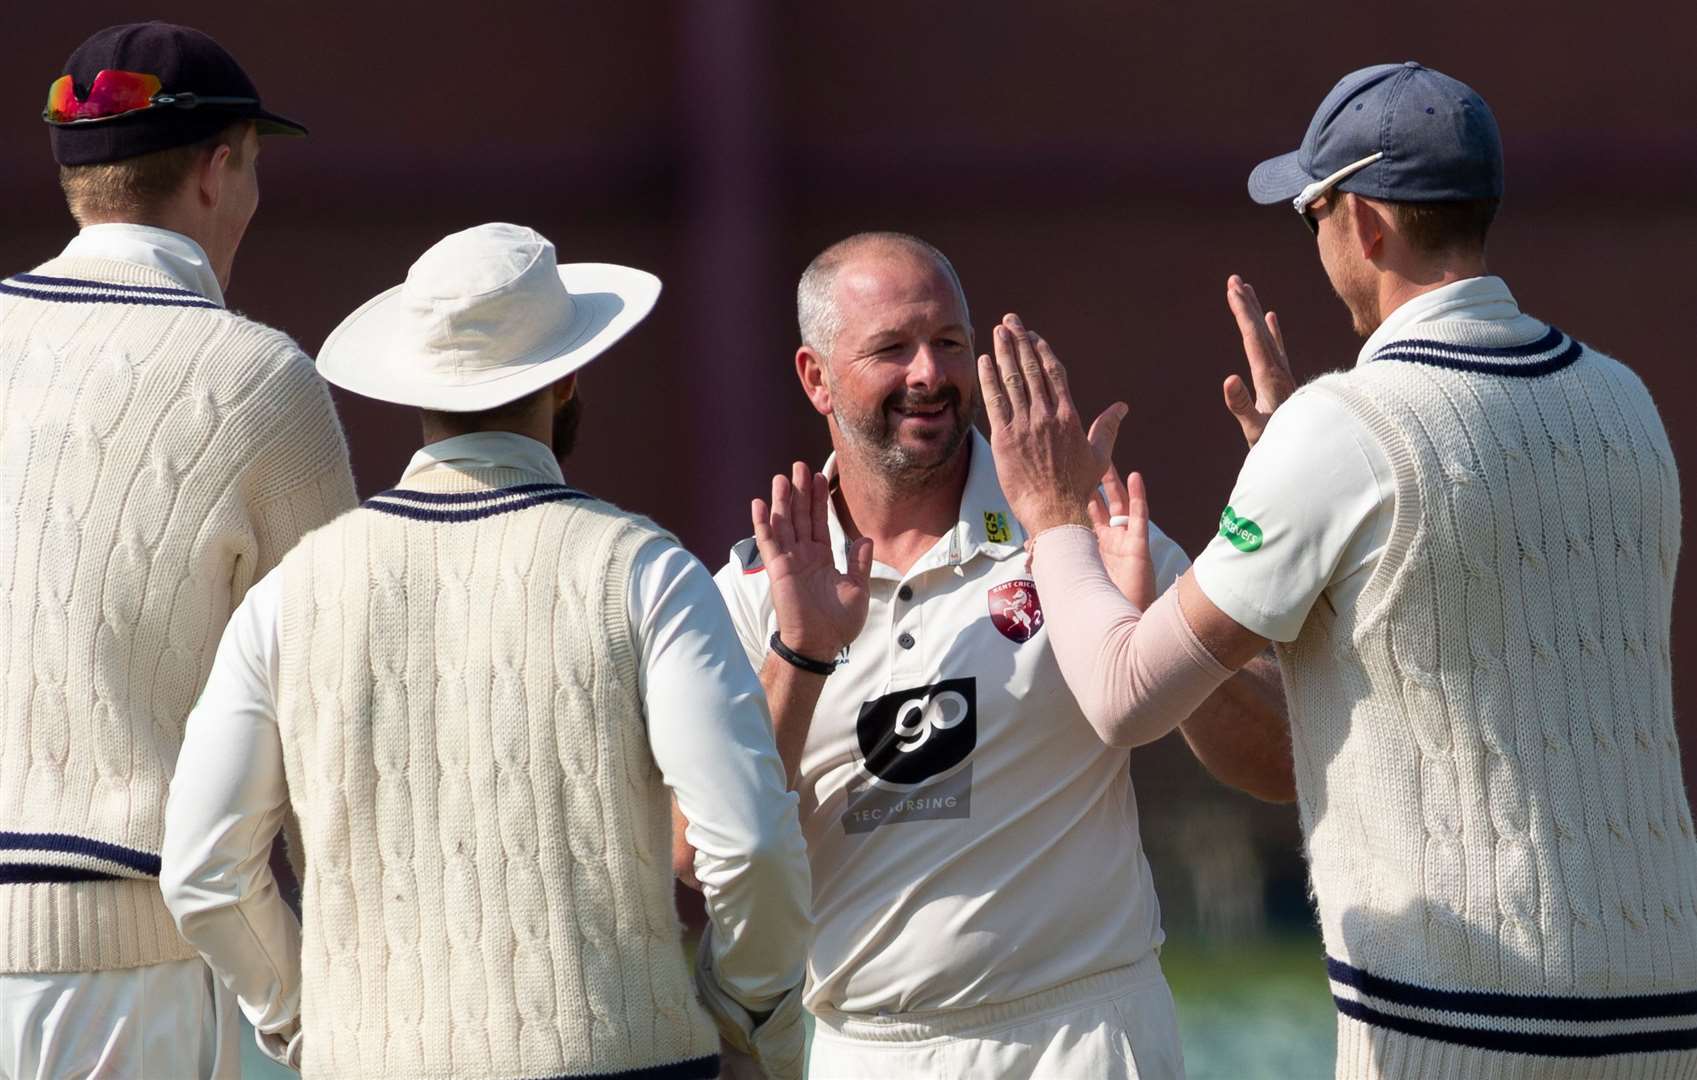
[{"x": 484, "y": 317}]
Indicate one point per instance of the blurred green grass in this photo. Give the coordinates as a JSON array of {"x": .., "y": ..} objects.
[{"x": 1259, "y": 1009}]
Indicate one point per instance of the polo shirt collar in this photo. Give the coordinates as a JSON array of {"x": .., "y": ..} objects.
[
  {"x": 171, "y": 253},
  {"x": 986, "y": 525},
  {"x": 488, "y": 450},
  {"x": 1476, "y": 299}
]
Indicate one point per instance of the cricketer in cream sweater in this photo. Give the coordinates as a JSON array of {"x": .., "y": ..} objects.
[
  {"x": 158, "y": 454},
  {"x": 1464, "y": 547},
  {"x": 475, "y": 692}
]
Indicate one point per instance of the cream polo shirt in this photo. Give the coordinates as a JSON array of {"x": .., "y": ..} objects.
[
  {"x": 972, "y": 840},
  {"x": 1313, "y": 505}
]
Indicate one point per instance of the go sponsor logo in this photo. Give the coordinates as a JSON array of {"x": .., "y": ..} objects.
[{"x": 909, "y": 736}]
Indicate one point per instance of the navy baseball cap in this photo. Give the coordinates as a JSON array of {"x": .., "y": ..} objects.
[
  {"x": 141, "y": 87},
  {"x": 1435, "y": 141}
]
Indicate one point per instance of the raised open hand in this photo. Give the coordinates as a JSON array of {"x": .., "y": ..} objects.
[
  {"x": 819, "y": 609},
  {"x": 1269, "y": 367},
  {"x": 1122, "y": 532},
  {"x": 1046, "y": 464}
]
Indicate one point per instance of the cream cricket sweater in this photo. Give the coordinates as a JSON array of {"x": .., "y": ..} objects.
[
  {"x": 488, "y": 885},
  {"x": 158, "y": 454},
  {"x": 1498, "y": 832}
]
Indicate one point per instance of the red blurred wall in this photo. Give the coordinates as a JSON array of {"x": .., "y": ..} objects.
[{"x": 1081, "y": 162}]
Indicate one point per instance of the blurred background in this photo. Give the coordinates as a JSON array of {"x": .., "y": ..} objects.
[{"x": 1082, "y": 163}]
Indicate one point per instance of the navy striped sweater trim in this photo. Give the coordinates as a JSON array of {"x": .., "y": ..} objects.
[
  {"x": 1545, "y": 356},
  {"x": 64, "y": 290},
  {"x": 701, "y": 1068},
  {"x": 460, "y": 506},
  {"x": 32, "y": 858},
  {"x": 1548, "y": 1025}
]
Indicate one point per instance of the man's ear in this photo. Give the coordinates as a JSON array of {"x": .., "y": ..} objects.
[
  {"x": 214, "y": 167},
  {"x": 1368, "y": 223},
  {"x": 810, "y": 369},
  {"x": 565, "y": 390}
]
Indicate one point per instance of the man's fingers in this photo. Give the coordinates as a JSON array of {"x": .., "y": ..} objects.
[
  {"x": 1278, "y": 337},
  {"x": 1030, "y": 364},
  {"x": 1137, "y": 528},
  {"x": 860, "y": 561},
  {"x": 1251, "y": 321},
  {"x": 821, "y": 508},
  {"x": 1262, "y": 347},
  {"x": 762, "y": 517},
  {"x": 995, "y": 400},
  {"x": 1239, "y": 294},
  {"x": 1281, "y": 359},
  {"x": 1054, "y": 373},
  {"x": 801, "y": 502},
  {"x": 1098, "y": 513},
  {"x": 783, "y": 528},
  {"x": 1105, "y": 431},
  {"x": 1242, "y": 408},
  {"x": 1137, "y": 503},
  {"x": 1008, "y": 374},
  {"x": 1238, "y": 399},
  {"x": 1113, "y": 488}
]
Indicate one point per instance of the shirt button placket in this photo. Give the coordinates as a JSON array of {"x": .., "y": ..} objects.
[{"x": 905, "y": 664}]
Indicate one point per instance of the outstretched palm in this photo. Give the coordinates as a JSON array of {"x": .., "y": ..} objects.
[
  {"x": 1125, "y": 547},
  {"x": 1122, "y": 527},
  {"x": 820, "y": 610},
  {"x": 1034, "y": 429},
  {"x": 1269, "y": 366}
]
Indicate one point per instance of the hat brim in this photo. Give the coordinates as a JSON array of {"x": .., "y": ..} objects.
[
  {"x": 270, "y": 123},
  {"x": 1278, "y": 179},
  {"x": 368, "y": 353}
]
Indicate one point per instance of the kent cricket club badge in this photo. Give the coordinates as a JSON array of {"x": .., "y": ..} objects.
[{"x": 1015, "y": 610}]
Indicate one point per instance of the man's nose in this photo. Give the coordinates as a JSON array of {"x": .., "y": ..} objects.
[{"x": 924, "y": 370}]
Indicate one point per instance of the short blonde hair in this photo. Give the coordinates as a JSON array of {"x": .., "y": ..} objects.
[{"x": 139, "y": 185}]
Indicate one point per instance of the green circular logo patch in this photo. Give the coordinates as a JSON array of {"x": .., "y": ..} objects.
[{"x": 1244, "y": 534}]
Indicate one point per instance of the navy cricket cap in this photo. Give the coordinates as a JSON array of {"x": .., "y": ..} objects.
[
  {"x": 188, "y": 64},
  {"x": 1438, "y": 139}
]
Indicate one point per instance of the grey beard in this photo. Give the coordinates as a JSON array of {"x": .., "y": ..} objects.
[{"x": 898, "y": 467}]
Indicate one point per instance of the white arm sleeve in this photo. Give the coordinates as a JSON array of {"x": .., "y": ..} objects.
[
  {"x": 225, "y": 807},
  {"x": 712, "y": 738}
]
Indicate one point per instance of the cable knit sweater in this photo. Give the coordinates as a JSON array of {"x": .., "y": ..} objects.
[
  {"x": 488, "y": 885},
  {"x": 158, "y": 454},
  {"x": 1500, "y": 842}
]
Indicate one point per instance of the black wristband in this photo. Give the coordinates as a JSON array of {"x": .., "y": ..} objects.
[{"x": 805, "y": 663}]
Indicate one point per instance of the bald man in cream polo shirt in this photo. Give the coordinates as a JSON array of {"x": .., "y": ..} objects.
[{"x": 982, "y": 901}]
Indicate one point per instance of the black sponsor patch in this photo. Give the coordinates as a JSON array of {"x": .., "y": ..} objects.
[{"x": 909, "y": 736}]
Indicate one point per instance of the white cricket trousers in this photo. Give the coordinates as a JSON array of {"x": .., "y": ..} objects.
[
  {"x": 170, "y": 1021},
  {"x": 1118, "y": 1025}
]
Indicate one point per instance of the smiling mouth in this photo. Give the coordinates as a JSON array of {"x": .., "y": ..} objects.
[{"x": 923, "y": 412}]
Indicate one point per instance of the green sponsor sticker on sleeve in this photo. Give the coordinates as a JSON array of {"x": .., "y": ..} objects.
[{"x": 1244, "y": 534}]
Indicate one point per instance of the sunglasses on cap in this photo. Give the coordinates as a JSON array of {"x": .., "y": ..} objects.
[
  {"x": 1316, "y": 191},
  {"x": 119, "y": 93}
]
